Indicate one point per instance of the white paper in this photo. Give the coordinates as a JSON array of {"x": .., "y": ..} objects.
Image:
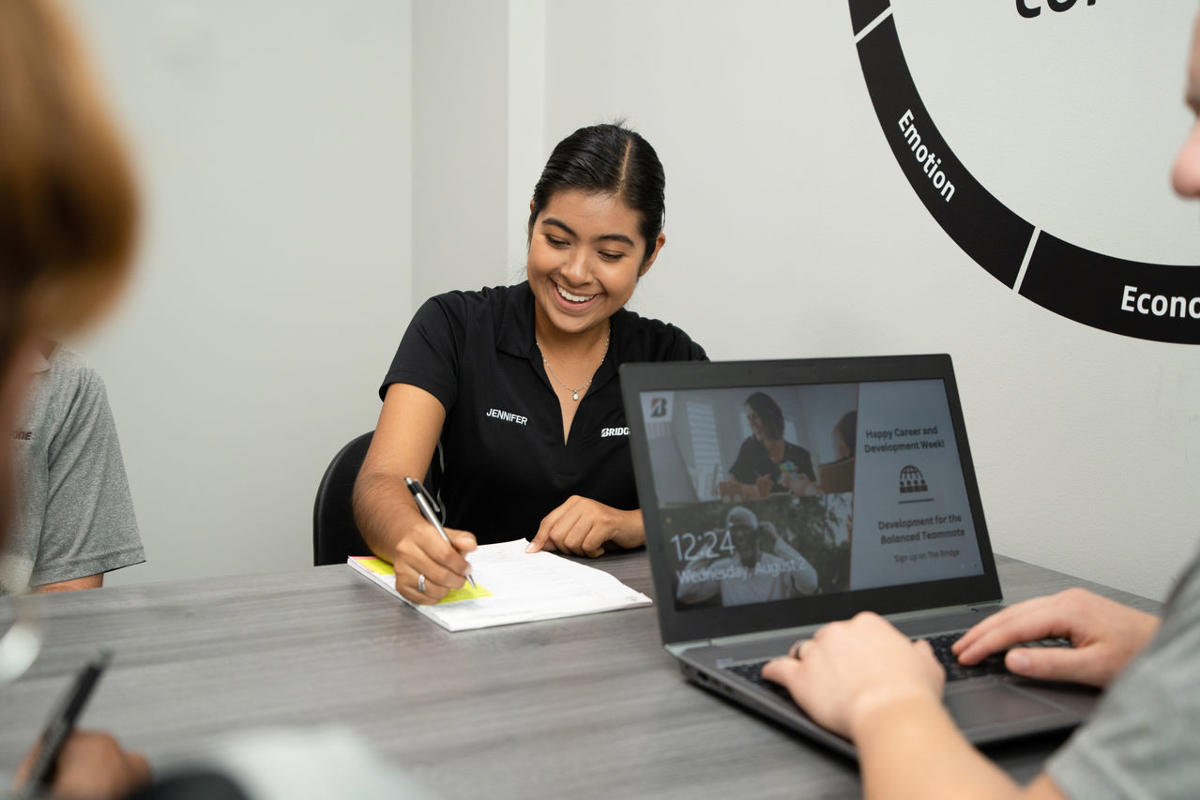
[{"x": 525, "y": 587}]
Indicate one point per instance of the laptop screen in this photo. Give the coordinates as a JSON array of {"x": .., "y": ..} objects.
[{"x": 805, "y": 495}]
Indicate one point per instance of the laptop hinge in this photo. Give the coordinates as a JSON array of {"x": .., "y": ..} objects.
[
  {"x": 979, "y": 610},
  {"x": 799, "y": 632}
]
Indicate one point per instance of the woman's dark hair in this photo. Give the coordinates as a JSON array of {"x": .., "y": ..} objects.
[
  {"x": 847, "y": 428},
  {"x": 769, "y": 412},
  {"x": 608, "y": 159}
]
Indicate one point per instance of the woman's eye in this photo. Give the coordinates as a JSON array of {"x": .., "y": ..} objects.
[
  {"x": 554, "y": 241},
  {"x": 611, "y": 256}
]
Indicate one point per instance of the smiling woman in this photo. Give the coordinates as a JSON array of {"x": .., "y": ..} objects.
[{"x": 518, "y": 384}]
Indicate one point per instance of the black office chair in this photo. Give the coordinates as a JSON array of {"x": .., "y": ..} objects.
[{"x": 335, "y": 534}]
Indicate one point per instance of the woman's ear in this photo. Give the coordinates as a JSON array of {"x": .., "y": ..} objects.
[{"x": 659, "y": 244}]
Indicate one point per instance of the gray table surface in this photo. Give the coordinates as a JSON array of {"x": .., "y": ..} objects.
[{"x": 582, "y": 707}]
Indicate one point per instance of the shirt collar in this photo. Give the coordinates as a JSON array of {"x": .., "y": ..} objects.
[{"x": 515, "y": 335}]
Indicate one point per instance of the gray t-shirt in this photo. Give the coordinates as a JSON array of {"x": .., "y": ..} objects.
[
  {"x": 1144, "y": 739},
  {"x": 74, "y": 513}
]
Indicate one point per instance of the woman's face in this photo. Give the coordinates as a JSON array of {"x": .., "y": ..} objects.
[
  {"x": 841, "y": 449},
  {"x": 585, "y": 258},
  {"x": 756, "y": 424}
]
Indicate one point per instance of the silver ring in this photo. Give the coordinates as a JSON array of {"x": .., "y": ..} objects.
[{"x": 420, "y": 583}]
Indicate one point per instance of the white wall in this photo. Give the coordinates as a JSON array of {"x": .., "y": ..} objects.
[
  {"x": 460, "y": 153},
  {"x": 479, "y": 87},
  {"x": 275, "y": 277},
  {"x": 792, "y": 232}
]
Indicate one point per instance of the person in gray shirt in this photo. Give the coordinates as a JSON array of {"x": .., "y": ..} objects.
[
  {"x": 75, "y": 518},
  {"x": 865, "y": 680}
]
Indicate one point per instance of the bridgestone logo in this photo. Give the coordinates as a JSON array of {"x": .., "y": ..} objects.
[{"x": 607, "y": 432}]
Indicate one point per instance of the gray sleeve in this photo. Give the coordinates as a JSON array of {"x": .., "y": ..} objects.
[
  {"x": 1142, "y": 740},
  {"x": 89, "y": 525}
]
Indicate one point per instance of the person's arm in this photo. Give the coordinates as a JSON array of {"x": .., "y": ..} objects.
[
  {"x": 87, "y": 525},
  {"x": 87, "y": 582},
  {"x": 735, "y": 490},
  {"x": 692, "y": 587},
  {"x": 802, "y": 576},
  {"x": 403, "y": 445},
  {"x": 865, "y": 680},
  {"x": 581, "y": 526},
  {"x": 1104, "y": 635}
]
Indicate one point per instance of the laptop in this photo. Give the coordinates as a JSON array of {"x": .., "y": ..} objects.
[{"x": 781, "y": 495}]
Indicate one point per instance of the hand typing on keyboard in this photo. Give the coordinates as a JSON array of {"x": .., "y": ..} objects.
[
  {"x": 993, "y": 664},
  {"x": 1104, "y": 636},
  {"x": 850, "y": 669}
]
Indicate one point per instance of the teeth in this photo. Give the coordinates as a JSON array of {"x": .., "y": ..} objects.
[{"x": 574, "y": 298}]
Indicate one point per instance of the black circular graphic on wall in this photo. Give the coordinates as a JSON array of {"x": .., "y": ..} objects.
[{"x": 1159, "y": 302}]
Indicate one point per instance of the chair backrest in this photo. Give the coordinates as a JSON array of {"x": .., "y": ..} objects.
[{"x": 335, "y": 534}]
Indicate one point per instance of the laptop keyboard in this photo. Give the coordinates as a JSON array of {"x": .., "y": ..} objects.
[{"x": 992, "y": 665}]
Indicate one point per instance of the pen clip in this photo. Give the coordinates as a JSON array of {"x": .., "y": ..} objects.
[{"x": 418, "y": 490}]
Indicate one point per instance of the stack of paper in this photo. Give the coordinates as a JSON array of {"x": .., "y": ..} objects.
[{"x": 514, "y": 586}]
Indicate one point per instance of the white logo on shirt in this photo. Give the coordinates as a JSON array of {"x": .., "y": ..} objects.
[
  {"x": 607, "y": 432},
  {"x": 506, "y": 416}
]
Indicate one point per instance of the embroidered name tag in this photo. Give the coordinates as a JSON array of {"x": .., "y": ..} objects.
[
  {"x": 607, "y": 432},
  {"x": 506, "y": 416}
]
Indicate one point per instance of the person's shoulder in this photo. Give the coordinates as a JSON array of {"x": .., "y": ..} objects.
[
  {"x": 751, "y": 443},
  {"x": 71, "y": 373},
  {"x": 651, "y": 339},
  {"x": 68, "y": 386},
  {"x": 471, "y": 304}
]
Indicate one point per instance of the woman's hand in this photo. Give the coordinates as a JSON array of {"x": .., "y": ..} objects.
[
  {"x": 581, "y": 526},
  {"x": 403, "y": 445},
  {"x": 421, "y": 550},
  {"x": 92, "y": 766},
  {"x": 1106, "y": 636},
  {"x": 850, "y": 669}
]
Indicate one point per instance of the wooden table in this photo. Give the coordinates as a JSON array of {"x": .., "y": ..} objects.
[{"x": 583, "y": 707}]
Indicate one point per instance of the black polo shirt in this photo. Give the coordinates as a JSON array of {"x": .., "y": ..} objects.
[{"x": 505, "y": 463}]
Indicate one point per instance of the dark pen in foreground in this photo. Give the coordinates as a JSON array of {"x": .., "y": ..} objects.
[{"x": 60, "y": 726}]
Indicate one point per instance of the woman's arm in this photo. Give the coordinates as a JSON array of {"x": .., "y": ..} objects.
[{"x": 405, "y": 437}]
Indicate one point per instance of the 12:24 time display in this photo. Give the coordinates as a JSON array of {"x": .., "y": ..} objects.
[{"x": 690, "y": 547}]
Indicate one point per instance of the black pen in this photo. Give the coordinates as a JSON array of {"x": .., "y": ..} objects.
[
  {"x": 428, "y": 507},
  {"x": 60, "y": 726}
]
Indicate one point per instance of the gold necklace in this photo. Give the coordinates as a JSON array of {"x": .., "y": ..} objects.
[{"x": 559, "y": 381}]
